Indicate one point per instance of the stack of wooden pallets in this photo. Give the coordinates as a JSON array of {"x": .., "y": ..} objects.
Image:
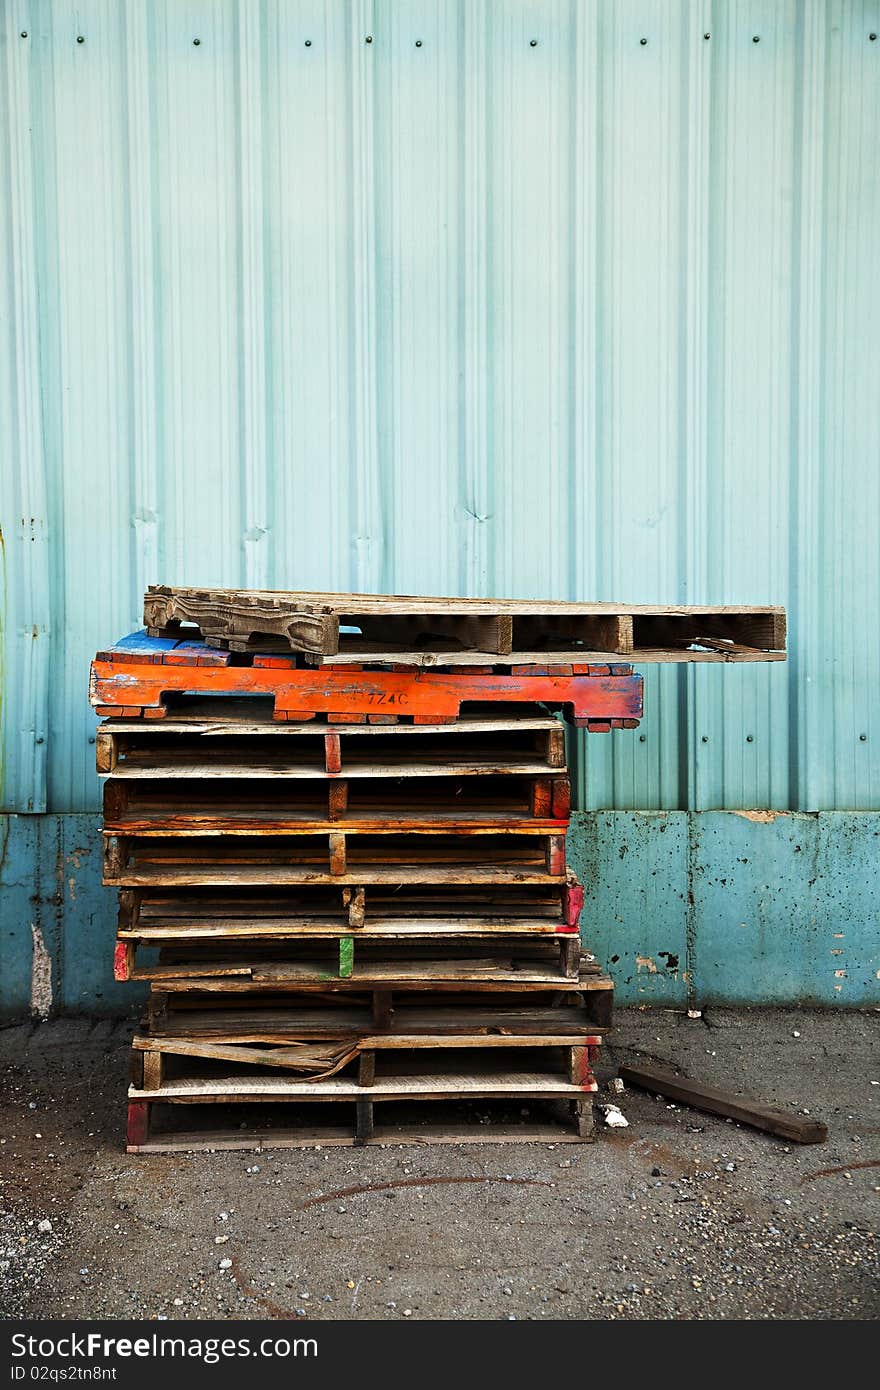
[{"x": 345, "y": 880}]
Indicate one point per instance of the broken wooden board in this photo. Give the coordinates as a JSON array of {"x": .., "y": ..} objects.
[
  {"x": 785, "y": 1124},
  {"x": 314, "y": 623}
]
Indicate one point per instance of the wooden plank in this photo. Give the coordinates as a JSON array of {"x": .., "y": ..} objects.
[
  {"x": 169, "y": 767},
  {"x": 281, "y": 875},
  {"x": 496, "y": 1081},
  {"x": 327, "y": 983},
  {"x": 583, "y": 1111},
  {"x": 323, "y": 1059},
  {"x": 367, "y": 1068},
  {"x": 520, "y": 662},
  {"x": 332, "y": 753},
  {"x": 138, "y": 1126},
  {"x": 236, "y": 723},
  {"x": 382, "y": 1008},
  {"x": 363, "y": 1121},
  {"x": 785, "y": 1124},
  {"x": 153, "y": 1070},
  {"x": 355, "y": 900},
  {"x": 338, "y": 853},
  {"x": 381, "y": 930}
]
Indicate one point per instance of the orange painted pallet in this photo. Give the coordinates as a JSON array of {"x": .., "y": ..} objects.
[{"x": 136, "y": 677}]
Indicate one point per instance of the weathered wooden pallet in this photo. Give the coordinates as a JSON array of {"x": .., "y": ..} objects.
[
  {"x": 342, "y": 1019},
  {"x": 126, "y": 685},
  {"x": 383, "y": 626},
  {"x": 240, "y": 748},
  {"x": 347, "y": 858},
  {"x": 421, "y": 912},
  {"x": 355, "y": 963},
  {"x": 466, "y": 1069},
  {"x": 158, "y": 1128},
  {"x": 157, "y": 810}
]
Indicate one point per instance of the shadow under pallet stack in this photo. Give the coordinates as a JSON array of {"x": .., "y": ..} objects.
[{"x": 345, "y": 881}]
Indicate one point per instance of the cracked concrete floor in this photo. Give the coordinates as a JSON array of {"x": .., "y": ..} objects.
[{"x": 680, "y": 1215}]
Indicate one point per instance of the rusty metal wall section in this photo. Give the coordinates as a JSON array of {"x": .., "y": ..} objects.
[{"x": 557, "y": 298}]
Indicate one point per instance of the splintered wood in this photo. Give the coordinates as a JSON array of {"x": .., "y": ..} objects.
[{"x": 348, "y": 885}]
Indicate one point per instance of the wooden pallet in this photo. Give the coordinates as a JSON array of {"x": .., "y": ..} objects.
[
  {"x": 397, "y": 1071},
  {"x": 159, "y": 1128},
  {"x": 343, "y": 1018},
  {"x": 239, "y": 747},
  {"x": 344, "y": 857},
  {"x": 421, "y": 912},
  {"x": 354, "y": 963},
  {"x": 392, "y": 627},
  {"x": 125, "y": 684},
  {"x": 179, "y": 806}
]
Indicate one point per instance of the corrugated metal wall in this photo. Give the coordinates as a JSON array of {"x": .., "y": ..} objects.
[{"x": 553, "y": 298}]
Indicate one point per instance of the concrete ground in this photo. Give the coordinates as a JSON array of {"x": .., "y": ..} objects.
[{"x": 680, "y": 1215}]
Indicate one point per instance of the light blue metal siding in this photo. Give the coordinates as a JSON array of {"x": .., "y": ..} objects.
[{"x": 590, "y": 318}]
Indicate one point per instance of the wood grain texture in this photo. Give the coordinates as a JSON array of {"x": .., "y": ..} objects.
[{"x": 785, "y": 1124}]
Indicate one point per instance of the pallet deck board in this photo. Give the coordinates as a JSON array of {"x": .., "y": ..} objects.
[{"x": 435, "y": 1084}]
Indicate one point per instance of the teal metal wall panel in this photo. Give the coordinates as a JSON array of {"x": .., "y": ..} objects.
[
  {"x": 634, "y": 866},
  {"x": 506, "y": 300},
  {"x": 786, "y": 906},
  {"x": 684, "y": 909},
  {"x": 58, "y": 924}
]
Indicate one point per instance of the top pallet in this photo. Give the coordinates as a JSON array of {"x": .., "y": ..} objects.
[{"x": 412, "y": 631}]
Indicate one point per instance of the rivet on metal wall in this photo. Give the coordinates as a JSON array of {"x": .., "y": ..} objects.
[
  {"x": 418, "y": 43},
  {"x": 873, "y": 38},
  {"x": 80, "y": 38},
  {"x": 91, "y": 738},
  {"x": 756, "y": 38},
  {"x": 533, "y": 43},
  {"x": 705, "y": 738},
  {"x": 369, "y": 38},
  {"x": 643, "y": 42},
  {"x": 24, "y": 33},
  {"x": 39, "y": 739},
  {"x": 863, "y": 738},
  {"x": 750, "y": 738},
  {"x": 196, "y": 43},
  {"x": 308, "y": 43},
  {"x": 643, "y": 738},
  {"x": 707, "y": 36}
]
